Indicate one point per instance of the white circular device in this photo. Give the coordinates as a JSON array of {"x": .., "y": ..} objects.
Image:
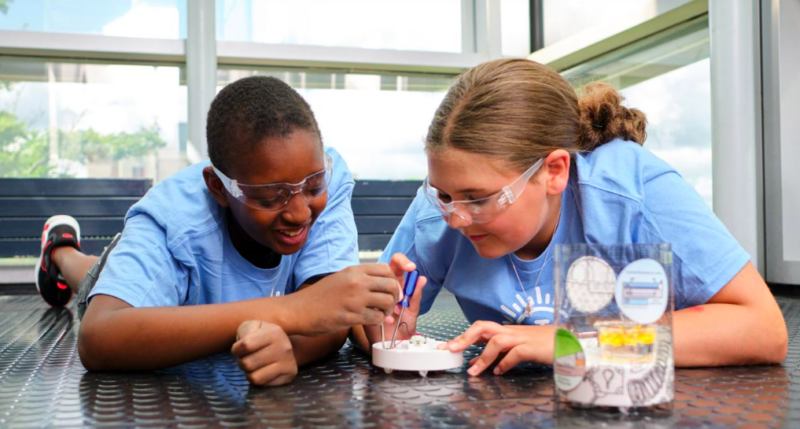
[{"x": 418, "y": 354}]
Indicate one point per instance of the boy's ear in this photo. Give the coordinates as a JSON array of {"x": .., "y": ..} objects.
[
  {"x": 556, "y": 167},
  {"x": 215, "y": 186}
]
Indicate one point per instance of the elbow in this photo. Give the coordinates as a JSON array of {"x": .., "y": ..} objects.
[
  {"x": 773, "y": 347},
  {"x": 778, "y": 345},
  {"x": 91, "y": 350}
]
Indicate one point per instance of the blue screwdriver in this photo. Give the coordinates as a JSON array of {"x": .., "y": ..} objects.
[{"x": 408, "y": 291}]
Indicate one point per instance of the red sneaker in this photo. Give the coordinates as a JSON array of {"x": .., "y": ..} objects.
[{"x": 58, "y": 231}]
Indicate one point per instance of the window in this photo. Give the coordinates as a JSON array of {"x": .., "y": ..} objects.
[
  {"x": 416, "y": 25},
  {"x": 376, "y": 121},
  {"x": 516, "y": 27},
  {"x": 163, "y": 19},
  {"x": 564, "y": 19},
  {"x": 80, "y": 119},
  {"x": 667, "y": 76}
]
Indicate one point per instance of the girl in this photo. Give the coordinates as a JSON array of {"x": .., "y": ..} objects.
[
  {"x": 254, "y": 252},
  {"x": 518, "y": 163}
]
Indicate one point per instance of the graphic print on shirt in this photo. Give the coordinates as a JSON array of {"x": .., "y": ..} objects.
[{"x": 541, "y": 306}]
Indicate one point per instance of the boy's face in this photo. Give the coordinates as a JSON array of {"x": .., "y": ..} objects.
[{"x": 276, "y": 160}]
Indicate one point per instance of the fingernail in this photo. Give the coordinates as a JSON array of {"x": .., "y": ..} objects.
[
  {"x": 497, "y": 371},
  {"x": 473, "y": 370}
]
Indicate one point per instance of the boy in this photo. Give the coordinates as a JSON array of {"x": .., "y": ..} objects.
[{"x": 257, "y": 248}]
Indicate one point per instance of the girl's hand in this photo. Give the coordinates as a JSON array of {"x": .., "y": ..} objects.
[
  {"x": 400, "y": 265},
  {"x": 510, "y": 345},
  {"x": 264, "y": 352}
]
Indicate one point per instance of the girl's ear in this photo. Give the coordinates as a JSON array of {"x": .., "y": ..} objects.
[
  {"x": 215, "y": 186},
  {"x": 556, "y": 170}
]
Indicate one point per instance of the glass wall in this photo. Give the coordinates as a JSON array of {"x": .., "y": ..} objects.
[
  {"x": 567, "y": 18},
  {"x": 516, "y": 27},
  {"x": 667, "y": 77},
  {"x": 164, "y": 19},
  {"x": 80, "y": 119},
  {"x": 415, "y": 25},
  {"x": 377, "y": 121}
]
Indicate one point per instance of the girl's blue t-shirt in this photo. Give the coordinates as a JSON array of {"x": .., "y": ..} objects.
[
  {"x": 175, "y": 248},
  {"x": 622, "y": 194}
]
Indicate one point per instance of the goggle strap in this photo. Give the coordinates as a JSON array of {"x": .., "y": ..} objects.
[
  {"x": 508, "y": 196},
  {"x": 231, "y": 185},
  {"x": 236, "y": 191}
]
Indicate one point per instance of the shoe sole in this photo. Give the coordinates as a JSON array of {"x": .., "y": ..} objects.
[{"x": 50, "y": 223}]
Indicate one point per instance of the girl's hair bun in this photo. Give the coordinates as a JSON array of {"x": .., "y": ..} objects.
[{"x": 603, "y": 117}]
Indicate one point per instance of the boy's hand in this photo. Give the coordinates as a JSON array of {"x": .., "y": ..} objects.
[
  {"x": 359, "y": 295},
  {"x": 400, "y": 265},
  {"x": 264, "y": 353}
]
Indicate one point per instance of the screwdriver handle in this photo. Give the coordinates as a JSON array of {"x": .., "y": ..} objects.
[{"x": 411, "y": 284}]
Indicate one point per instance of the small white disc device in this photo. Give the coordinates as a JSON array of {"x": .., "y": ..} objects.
[{"x": 418, "y": 354}]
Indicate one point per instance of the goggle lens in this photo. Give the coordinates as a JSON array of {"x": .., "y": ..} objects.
[{"x": 276, "y": 195}]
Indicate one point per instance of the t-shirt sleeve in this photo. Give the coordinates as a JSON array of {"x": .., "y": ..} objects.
[
  {"x": 705, "y": 255},
  {"x": 404, "y": 240},
  {"x": 141, "y": 270},
  {"x": 333, "y": 242}
]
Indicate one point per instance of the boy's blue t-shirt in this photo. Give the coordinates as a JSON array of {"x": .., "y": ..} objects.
[
  {"x": 622, "y": 194},
  {"x": 175, "y": 248}
]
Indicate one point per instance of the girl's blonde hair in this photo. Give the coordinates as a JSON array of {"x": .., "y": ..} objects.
[{"x": 519, "y": 111}]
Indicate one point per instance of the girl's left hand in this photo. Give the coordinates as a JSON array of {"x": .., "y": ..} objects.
[{"x": 510, "y": 344}]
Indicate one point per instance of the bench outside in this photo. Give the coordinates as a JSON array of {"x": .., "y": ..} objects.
[
  {"x": 379, "y": 206},
  {"x": 100, "y": 206}
]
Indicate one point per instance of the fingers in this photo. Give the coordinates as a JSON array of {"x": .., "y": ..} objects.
[
  {"x": 388, "y": 286},
  {"x": 275, "y": 374},
  {"x": 480, "y": 331},
  {"x": 265, "y": 354},
  {"x": 400, "y": 264},
  {"x": 518, "y": 354},
  {"x": 371, "y": 316},
  {"x": 497, "y": 345},
  {"x": 247, "y": 327},
  {"x": 376, "y": 270},
  {"x": 253, "y": 335},
  {"x": 382, "y": 302}
]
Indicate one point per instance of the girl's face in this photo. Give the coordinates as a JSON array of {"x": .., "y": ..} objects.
[
  {"x": 277, "y": 160},
  {"x": 527, "y": 225}
]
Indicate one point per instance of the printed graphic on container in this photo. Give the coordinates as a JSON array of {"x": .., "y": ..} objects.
[
  {"x": 570, "y": 361},
  {"x": 623, "y": 382},
  {"x": 590, "y": 284},
  {"x": 641, "y": 291}
]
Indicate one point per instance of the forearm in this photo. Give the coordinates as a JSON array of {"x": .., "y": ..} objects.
[
  {"x": 727, "y": 334},
  {"x": 311, "y": 349},
  {"x": 115, "y": 337}
]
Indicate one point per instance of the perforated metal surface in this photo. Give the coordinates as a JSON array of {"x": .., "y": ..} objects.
[{"x": 42, "y": 383}]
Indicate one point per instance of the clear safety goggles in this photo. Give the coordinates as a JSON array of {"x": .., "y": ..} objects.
[
  {"x": 485, "y": 209},
  {"x": 274, "y": 196}
]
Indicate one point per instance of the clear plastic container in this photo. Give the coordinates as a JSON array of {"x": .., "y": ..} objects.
[{"x": 613, "y": 321}]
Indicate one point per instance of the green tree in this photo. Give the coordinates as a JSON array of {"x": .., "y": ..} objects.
[
  {"x": 23, "y": 153},
  {"x": 4, "y": 5},
  {"x": 26, "y": 153},
  {"x": 89, "y": 145}
]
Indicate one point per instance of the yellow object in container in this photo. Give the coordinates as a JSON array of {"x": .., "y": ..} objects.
[{"x": 623, "y": 341}]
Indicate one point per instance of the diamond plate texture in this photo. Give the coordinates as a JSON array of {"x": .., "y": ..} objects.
[{"x": 42, "y": 383}]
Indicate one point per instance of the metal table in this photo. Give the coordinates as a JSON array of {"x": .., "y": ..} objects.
[{"x": 42, "y": 383}]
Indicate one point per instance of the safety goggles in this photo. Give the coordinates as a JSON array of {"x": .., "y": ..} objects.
[
  {"x": 485, "y": 209},
  {"x": 275, "y": 196}
]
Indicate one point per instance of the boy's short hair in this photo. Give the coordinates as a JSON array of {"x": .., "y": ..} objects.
[{"x": 250, "y": 110}]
